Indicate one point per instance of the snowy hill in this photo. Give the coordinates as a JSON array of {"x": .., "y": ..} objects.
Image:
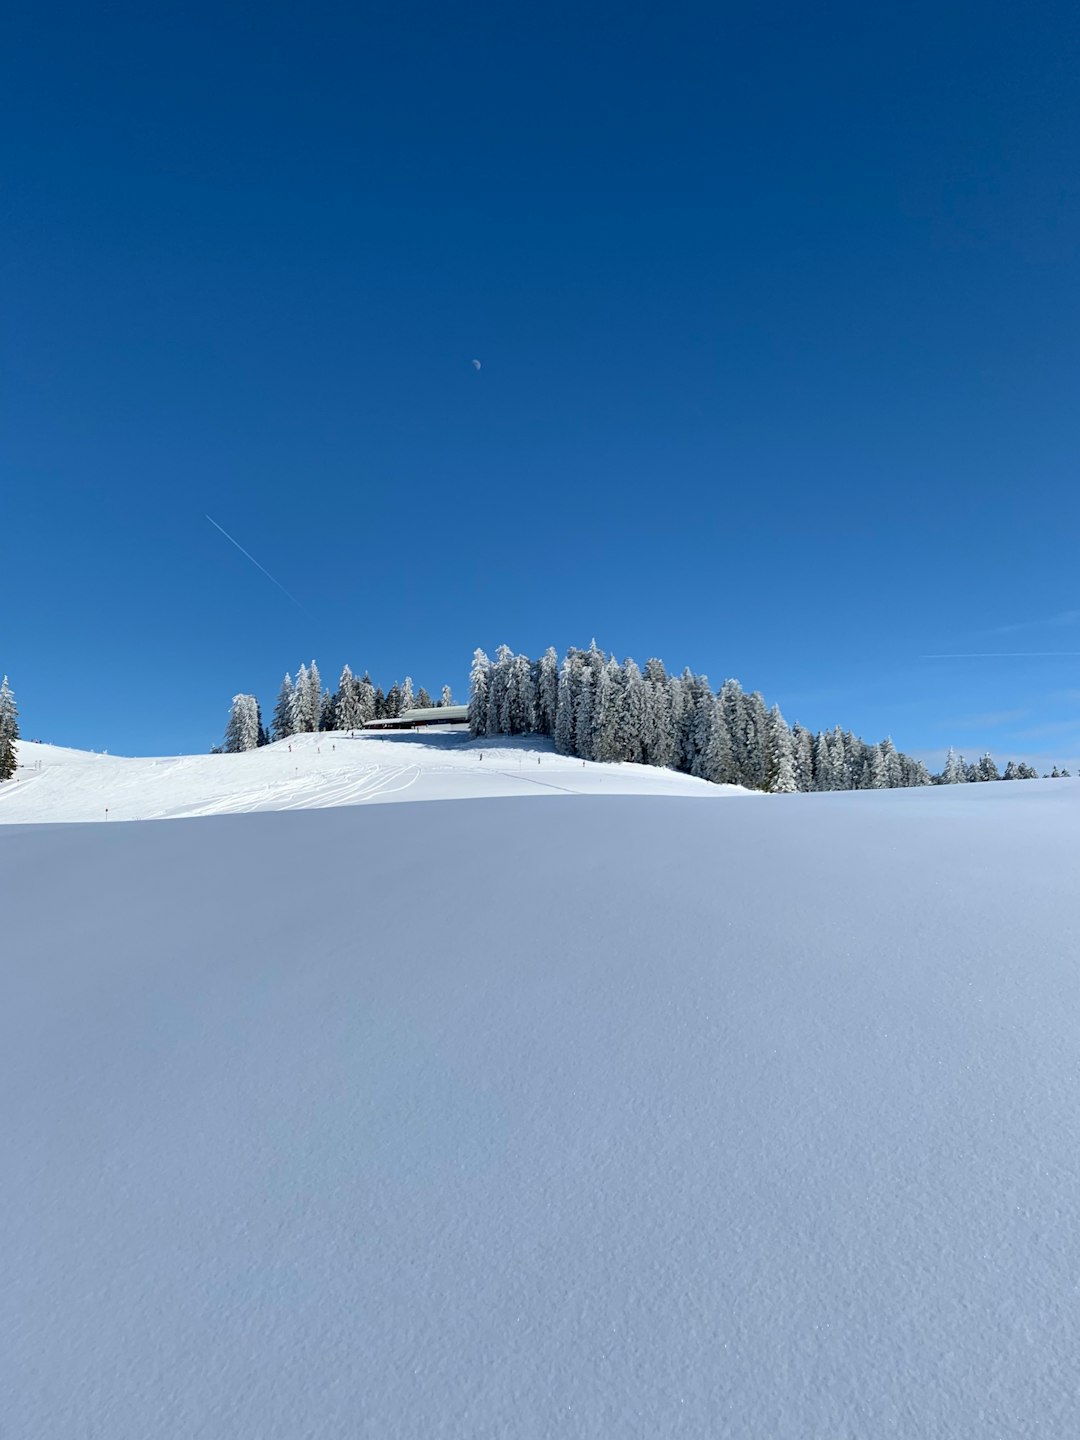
[
  {"x": 315, "y": 772},
  {"x": 612, "y": 1117}
]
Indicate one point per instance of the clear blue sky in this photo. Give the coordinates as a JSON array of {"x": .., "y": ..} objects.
[{"x": 777, "y": 310}]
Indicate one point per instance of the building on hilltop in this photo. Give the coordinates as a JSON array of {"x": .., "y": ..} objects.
[{"x": 414, "y": 719}]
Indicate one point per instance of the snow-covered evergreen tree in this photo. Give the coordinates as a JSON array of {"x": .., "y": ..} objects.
[
  {"x": 606, "y": 690},
  {"x": 368, "y": 704},
  {"x": 781, "y": 755},
  {"x": 718, "y": 764},
  {"x": 583, "y": 716},
  {"x": 281, "y": 724},
  {"x": 392, "y": 706},
  {"x": 408, "y": 699},
  {"x": 446, "y": 698},
  {"x": 894, "y": 775},
  {"x": 875, "y": 770},
  {"x": 802, "y": 745},
  {"x": 566, "y": 709},
  {"x": 702, "y": 725},
  {"x": 423, "y": 699},
  {"x": 9, "y": 711},
  {"x": 630, "y": 715},
  {"x": 954, "y": 771},
  {"x": 315, "y": 694},
  {"x": 378, "y": 704},
  {"x": 479, "y": 693},
  {"x": 303, "y": 716},
  {"x": 519, "y": 697},
  {"x": 987, "y": 769},
  {"x": 242, "y": 731},
  {"x": 349, "y": 714},
  {"x": 9, "y": 731},
  {"x": 328, "y": 712},
  {"x": 823, "y": 771},
  {"x": 732, "y": 700},
  {"x": 547, "y": 691}
]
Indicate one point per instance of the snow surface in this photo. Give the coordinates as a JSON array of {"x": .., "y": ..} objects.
[
  {"x": 614, "y": 1117},
  {"x": 314, "y": 772}
]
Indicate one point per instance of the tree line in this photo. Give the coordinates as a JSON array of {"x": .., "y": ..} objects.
[
  {"x": 597, "y": 708},
  {"x": 304, "y": 706}
]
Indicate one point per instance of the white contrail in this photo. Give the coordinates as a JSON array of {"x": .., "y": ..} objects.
[
  {"x": 1003, "y": 655},
  {"x": 253, "y": 560}
]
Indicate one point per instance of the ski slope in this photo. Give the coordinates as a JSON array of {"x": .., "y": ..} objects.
[
  {"x": 316, "y": 772},
  {"x": 612, "y": 1117}
]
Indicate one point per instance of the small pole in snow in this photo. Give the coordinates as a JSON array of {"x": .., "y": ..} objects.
[{"x": 106, "y": 812}]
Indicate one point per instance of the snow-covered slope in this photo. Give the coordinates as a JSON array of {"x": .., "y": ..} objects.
[
  {"x": 315, "y": 772},
  {"x": 609, "y": 1118}
]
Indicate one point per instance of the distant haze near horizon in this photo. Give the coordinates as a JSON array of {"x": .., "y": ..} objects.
[{"x": 746, "y": 340}]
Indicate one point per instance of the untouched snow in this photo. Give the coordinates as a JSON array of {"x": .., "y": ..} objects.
[
  {"x": 611, "y": 1118},
  {"x": 317, "y": 772}
]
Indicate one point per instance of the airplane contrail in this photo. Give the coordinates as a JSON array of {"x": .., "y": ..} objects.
[
  {"x": 254, "y": 561},
  {"x": 1003, "y": 655}
]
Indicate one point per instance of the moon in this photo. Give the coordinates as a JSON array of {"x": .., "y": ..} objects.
[{"x": 476, "y": 364}]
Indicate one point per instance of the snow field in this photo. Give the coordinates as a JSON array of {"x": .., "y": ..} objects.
[
  {"x": 318, "y": 771},
  {"x": 613, "y": 1117}
]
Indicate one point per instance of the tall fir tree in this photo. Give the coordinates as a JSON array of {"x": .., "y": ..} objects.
[
  {"x": 281, "y": 723},
  {"x": 349, "y": 715},
  {"x": 780, "y": 773},
  {"x": 479, "y": 693},
  {"x": 243, "y": 730},
  {"x": 446, "y": 699},
  {"x": 547, "y": 691},
  {"x": 9, "y": 731}
]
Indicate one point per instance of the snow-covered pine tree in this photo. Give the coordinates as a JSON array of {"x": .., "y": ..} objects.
[
  {"x": 630, "y": 715},
  {"x": 547, "y": 691},
  {"x": 302, "y": 717},
  {"x": 802, "y": 745},
  {"x": 9, "y": 711},
  {"x": 281, "y": 724},
  {"x": 349, "y": 715},
  {"x": 701, "y": 729},
  {"x": 894, "y": 775},
  {"x": 498, "y": 685},
  {"x": 479, "y": 693},
  {"x": 733, "y": 700},
  {"x": 987, "y": 769},
  {"x": 366, "y": 699},
  {"x": 823, "y": 772},
  {"x": 954, "y": 772},
  {"x": 1012, "y": 771},
  {"x": 9, "y": 731},
  {"x": 604, "y": 697},
  {"x": 315, "y": 693},
  {"x": 446, "y": 698},
  {"x": 378, "y": 704},
  {"x": 242, "y": 731},
  {"x": 566, "y": 709},
  {"x": 660, "y": 729},
  {"x": 781, "y": 758},
  {"x": 328, "y": 712},
  {"x": 423, "y": 699},
  {"x": 755, "y": 718},
  {"x": 519, "y": 701},
  {"x": 583, "y": 716},
  {"x": 392, "y": 706},
  {"x": 914, "y": 772},
  {"x": 718, "y": 765},
  {"x": 875, "y": 770},
  {"x": 408, "y": 699}
]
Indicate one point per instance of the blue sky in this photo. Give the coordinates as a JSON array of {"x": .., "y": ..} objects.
[{"x": 777, "y": 310}]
